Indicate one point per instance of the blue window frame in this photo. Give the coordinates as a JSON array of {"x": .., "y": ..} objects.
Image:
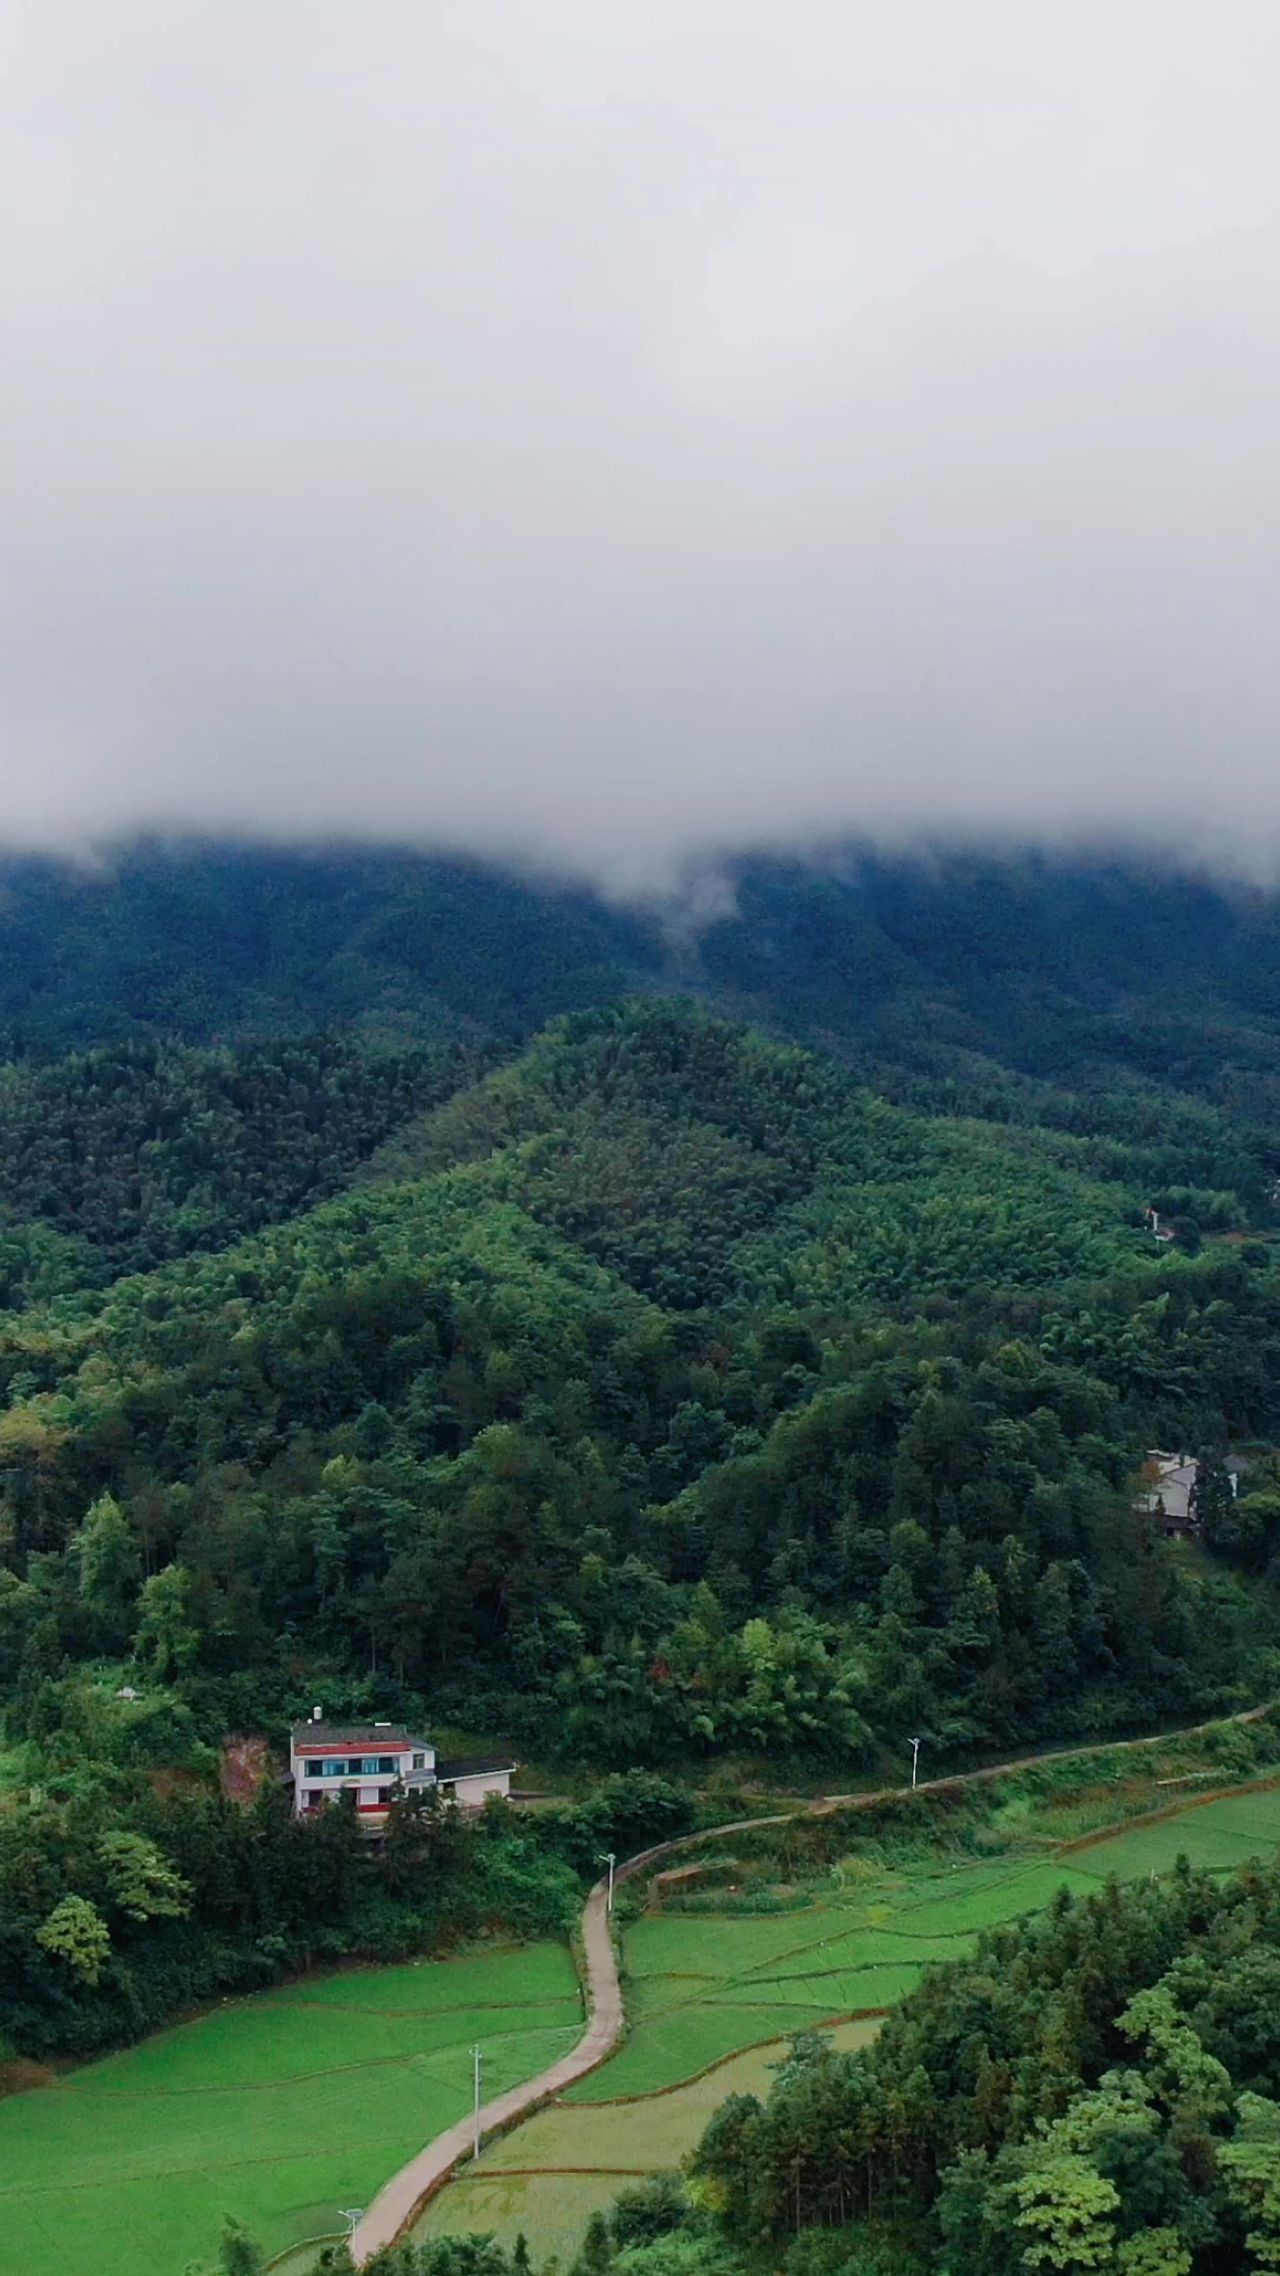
[{"x": 355, "y": 1766}]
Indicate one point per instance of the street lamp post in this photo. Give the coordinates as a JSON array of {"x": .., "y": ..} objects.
[
  {"x": 476, "y": 2060},
  {"x": 608, "y": 1858},
  {"x": 915, "y": 1760},
  {"x": 352, "y": 2215}
]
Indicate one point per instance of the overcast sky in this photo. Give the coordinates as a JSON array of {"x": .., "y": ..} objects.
[{"x": 616, "y": 433}]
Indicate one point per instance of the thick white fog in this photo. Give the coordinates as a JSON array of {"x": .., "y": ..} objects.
[{"x": 611, "y": 435}]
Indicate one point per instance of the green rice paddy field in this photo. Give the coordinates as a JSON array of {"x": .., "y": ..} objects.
[
  {"x": 279, "y": 2109},
  {"x": 702, "y": 1985},
  {"x": 285, "y": 2107},
  {"x": 552, "y": 2173}
]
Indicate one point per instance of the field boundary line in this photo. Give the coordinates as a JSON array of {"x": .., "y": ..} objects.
[
  {"x": 678, "y": 2085},
  {"x": 480, "y": 2174},
  {"x": 304, "y": 2244},
  {"x": 409, "y": 2014},
  {"x": 420, "y": 2055},
  {"x": 1162, "y": 1816}
]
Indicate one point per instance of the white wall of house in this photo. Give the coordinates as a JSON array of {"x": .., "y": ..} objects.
[
  {"x": 320, "y": 1775},
  {"x": 374, "y": 1768},
  {"x": 471, "y": 1793}
]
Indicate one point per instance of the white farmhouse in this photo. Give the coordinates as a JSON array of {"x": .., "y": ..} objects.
[
  {"x": 373, "y": 1760},
  {"x": 1168, "y": 1494},
  {"x": 1168, "y": 1489}
]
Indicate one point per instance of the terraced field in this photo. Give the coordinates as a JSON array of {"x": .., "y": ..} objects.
[
  {"x": 702, "y": 1987},
  {"x": 552, "y": 2173},
  {"x": 280, "y": 2109}
]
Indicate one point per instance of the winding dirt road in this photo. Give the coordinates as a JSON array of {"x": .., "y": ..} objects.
[{"x": 401, "y": 2198}]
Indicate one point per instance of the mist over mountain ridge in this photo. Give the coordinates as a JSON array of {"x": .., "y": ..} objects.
[
  {"x": 936, "y": 950},
  {"x": 598, "y": 441}
]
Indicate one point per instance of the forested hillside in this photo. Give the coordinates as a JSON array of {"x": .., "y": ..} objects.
[
  {"x": 208, "y": 943},
  {"x": 650, "y": 1393},
  {"x": 1093, "y": 977},
  {"x": 114, "y": 1159}
]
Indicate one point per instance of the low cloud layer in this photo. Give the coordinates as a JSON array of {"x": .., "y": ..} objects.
[{"x": 611, "y": 436}]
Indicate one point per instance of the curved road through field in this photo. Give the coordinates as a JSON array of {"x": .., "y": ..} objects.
[
  {"x": 407, "y": 2192},
  {"x": 395, "y": 2205}
]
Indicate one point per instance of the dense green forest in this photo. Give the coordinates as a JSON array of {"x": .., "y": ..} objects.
[
  {"x": 1106, "y": 975},
  {"x": 115, "y": 1159},
  {"x": 638, "y": 1385}
]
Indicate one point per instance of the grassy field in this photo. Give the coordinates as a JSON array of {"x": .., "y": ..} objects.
[{"x": 280, "y": 2109}]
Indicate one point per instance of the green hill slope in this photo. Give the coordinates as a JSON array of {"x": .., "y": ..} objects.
[{"x": 672, "y": 1331}]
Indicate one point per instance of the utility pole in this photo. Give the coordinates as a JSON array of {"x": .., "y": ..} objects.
[
  {"x": 610, "y": 1860},
  {"x": 475, "y": 2139},
  {"x": 915, "y": 1761}
]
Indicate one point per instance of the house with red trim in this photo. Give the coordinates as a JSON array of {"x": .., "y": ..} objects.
[{"x": 376, "y": 1761}]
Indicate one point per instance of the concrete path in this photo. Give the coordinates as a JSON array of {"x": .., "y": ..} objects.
[
  {"x": 396, "y": 2205},
  {"x": 407, "y": 2191}
]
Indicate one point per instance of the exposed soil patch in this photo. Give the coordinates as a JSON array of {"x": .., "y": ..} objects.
[
  {"x": 245, "y": 1766},
  {"x": 171, "y": 1778},
  {"x": 18, "y": 2077}
]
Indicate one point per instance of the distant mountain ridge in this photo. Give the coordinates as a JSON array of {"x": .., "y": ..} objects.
[
  {"x": 971, "y": 982},
  {"x": 208, "y": 941}
]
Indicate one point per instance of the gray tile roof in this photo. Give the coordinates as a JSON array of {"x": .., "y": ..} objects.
[{"x": 372, "y": 1737}]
